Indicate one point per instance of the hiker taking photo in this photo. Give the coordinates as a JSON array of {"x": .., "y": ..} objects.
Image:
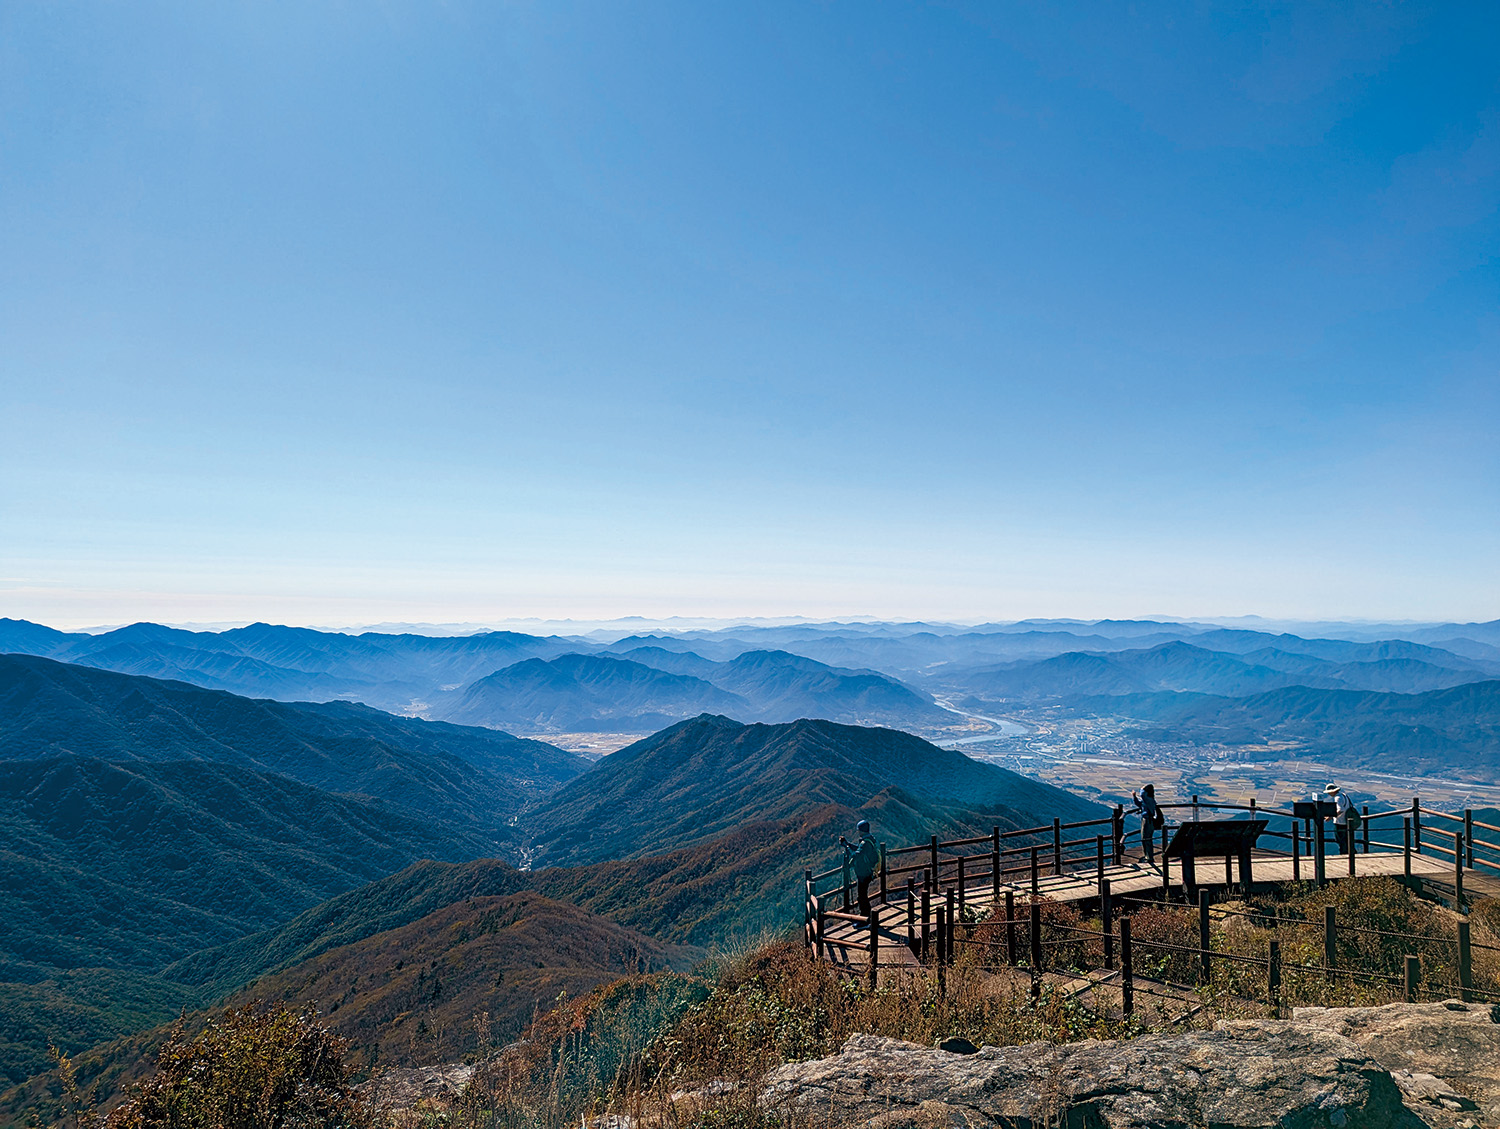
[
  {"x": 863, "y": 859},
  {"x": 1151, "y": 819}
]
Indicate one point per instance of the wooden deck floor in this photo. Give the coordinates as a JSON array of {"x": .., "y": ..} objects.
[{"x": 1134, "y": 878}]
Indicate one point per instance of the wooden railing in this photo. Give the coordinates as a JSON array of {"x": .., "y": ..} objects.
[{"x": 942, "y": 873}]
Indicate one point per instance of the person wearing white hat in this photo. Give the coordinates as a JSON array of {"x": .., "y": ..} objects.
[{"x": 1341, "y": 809}]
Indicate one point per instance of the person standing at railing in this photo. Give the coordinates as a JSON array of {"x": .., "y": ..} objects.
[
  {"x": 1151, "y": 819},
  {"x": 1342, "y": 807},
  {"x": 864, "y": 859}
]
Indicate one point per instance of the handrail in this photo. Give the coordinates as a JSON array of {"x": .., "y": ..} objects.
[{"x": 1442, "y": 814}]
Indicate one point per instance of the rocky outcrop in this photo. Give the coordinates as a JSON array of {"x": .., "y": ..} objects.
[
  {"x": 1444, "y": 1056},
  {"x": 1401, "y": 1067}
]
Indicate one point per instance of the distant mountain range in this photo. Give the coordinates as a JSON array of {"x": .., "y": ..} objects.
[
  {"x": 860, "y": 673},
  {"x": 1184, "y": 667},
  {"x": 1435, "y": 732},
  {"x": 649, "y": 688}
]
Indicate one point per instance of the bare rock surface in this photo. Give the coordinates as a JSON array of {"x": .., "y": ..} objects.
[
  {"x": 1244, "y": 1074},
  {"x": 406, "y": 1088},
  {"x": 1444, "y": 1055}
]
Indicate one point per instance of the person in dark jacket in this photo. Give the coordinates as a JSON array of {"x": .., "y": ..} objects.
[
  {"x": 1151, "y": 819},
  {"x": 863, "y": 859}
]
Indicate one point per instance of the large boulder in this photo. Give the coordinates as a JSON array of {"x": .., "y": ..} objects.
[
  {"x": 1445, "y": 1056},
  {"x": 1242, "y": 1074}
]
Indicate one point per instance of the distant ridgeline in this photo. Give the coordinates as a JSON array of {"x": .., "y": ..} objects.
[{"x": 163, "y": 839}]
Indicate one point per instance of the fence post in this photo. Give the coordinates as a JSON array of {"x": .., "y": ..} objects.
[
  {"x": 1458, "y": 871},
  {"x": 1106, "y": 913},
  {"x": 807, "y": 908},
  {"x": 1036, "y": 936},
  {"x": 822, "y": 949},
  {"x": 1364, "y": 826},
  {"x": 1036, "y": 872},
  {"x": 1330, "y": 940},
  {"x": 884, "y": 900},
  {"x": 1099, "y": 861},
  {"x": 1320, "y": 860},
  {"x": 1056, "y": 846},
  {"x": 961, "y": 881},
  {"x": 1406, "y": 844},
  {"x": 1413, "y": 977},
  {"x": 1010, "y": 927},
  {"x": 926, "y": 924},
  {"x": 911, "y": 912},
  {"x": 1166, "y": 877},
  {"x": 942, "y": 928},
  {"x": 1416, "y": 823},
  {"x": 1273, "y": 978},
  {"x": 874, "y": 947},
  {"x": 1203, "y": 938},
  {"x": 1296, "y": 851},
  {"x": 1195, "y": 807},
  {"x": 937, "y": 875},
  {"x": 951, "y": 930},
  {"x": 1127, "y": 969},
  {"x": 1465, "y": 964},
  {"x": 1350, "y": 846},
  {"x": 1469, "y": 837},
  {"x": 1117, "y": 833},
  {"x": 994, "y": 866}
]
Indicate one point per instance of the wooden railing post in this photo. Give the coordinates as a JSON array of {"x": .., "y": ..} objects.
[
  {"x": 1364, "y": 827},
  {"x": 1057, "y": 846},
  {"x": 1117, "y": 833},
  {"x": 845, "y": 876},
  {"x": 1127, "y": 969},
  {"x": 1296, "y": 851},
  {"x": 1349, "y": 847},
  {"x": 1106, "y": 923},
  {"x": 952, "y": 929},
  {"x": 874, "y": 947},
  {"x": 1036, "y": 873},
  {"x": 1320, "y": 860},
  {"x": 884, "y": 900},
  {"x": 1036, "y": 936},
  {"x": 1330, "y": 940},
  {"x": 1469, "y": 838},
  {"x": 1413, "y": 978},
  {"x": 926, "y": 946},
  {"x": 1406, "y": 844},
  {"x": 994, "y": 866},
  {"x": 911, "y": 912},
  {"x": 962, "y": 902},
  {"x": 1458, "y": 871},
  {"x": 1465, "y": 964},
  {"x": 937, "y": 875},
  {"x": 1416, "y": 823},
  {"x": 1099, "y": 863},
  {"x": 807, "y": 908},
  {"x": 1195, "y": 808},
  {"x": 1010, "y": 927},
  {"x": 1273, "y": 978},
  {"x": 940, "y": 941},
  {"x": 822, "y": 949},
  {"x": 1205, "y": 964}
]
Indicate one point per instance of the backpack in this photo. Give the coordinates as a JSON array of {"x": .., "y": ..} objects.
[{"x": 1354, "y": 819}]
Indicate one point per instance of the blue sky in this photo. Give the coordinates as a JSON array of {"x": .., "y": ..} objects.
[{"x": 338, "y": 313}]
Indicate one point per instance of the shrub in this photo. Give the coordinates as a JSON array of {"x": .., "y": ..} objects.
[{"x": 250, "y": 1069}]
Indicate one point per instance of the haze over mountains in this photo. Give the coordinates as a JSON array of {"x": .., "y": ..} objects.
[{"x": 862, "y": 673}]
